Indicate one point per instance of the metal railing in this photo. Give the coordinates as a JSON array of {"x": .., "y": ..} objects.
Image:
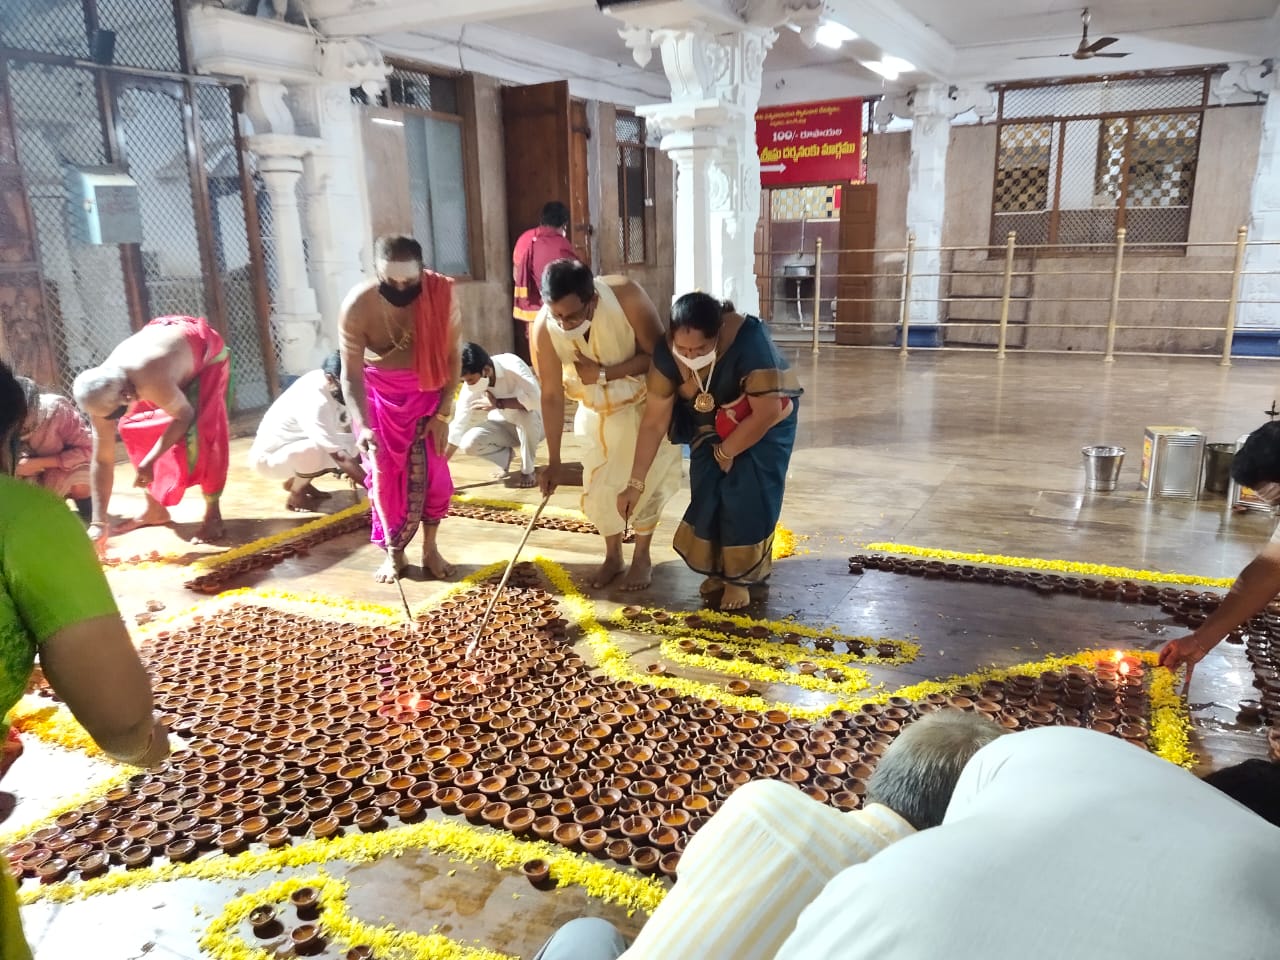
[{"x": 1072, "y": 300}]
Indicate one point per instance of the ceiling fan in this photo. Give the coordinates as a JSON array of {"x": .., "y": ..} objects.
[{"x": 1086, "y": 50}]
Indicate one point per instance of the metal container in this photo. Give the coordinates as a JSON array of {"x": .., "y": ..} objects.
[
  {"x": 1217, "y": 466},
  {"x": 1242, "y": 498},
  {"x": 1102, "y": 467},
  {"x": 1172, "y": 462}
]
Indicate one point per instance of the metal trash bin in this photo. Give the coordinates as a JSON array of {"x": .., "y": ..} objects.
[
  {"x": 1102, "y": 466},
  {"x": 1172, "y": 462},
  {"x": 1217, "y": 466}
]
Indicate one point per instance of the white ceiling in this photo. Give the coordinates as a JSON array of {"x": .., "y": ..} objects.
[
  {"x": 965, "y": 23},
  {"x": 947, "y": 40}
]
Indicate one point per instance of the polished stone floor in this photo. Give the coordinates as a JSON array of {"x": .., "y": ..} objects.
[{"x": 955, "y": 451}]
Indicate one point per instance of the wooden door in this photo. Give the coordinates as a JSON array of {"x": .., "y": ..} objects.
[
  {"x": 579, "y": 201},
  {"x": 764, "y": 261},
  {"x": 856, "y": 286},
  {"x": 546, "y": 159}
]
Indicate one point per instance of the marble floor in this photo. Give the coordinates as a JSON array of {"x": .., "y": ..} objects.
[{"x": 954, "y": 451}]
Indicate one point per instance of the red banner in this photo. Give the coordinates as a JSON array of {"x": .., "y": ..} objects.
[{"x": 810, "y": 143}]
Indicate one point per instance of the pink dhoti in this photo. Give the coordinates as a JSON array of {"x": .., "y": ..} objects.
[{"x": 408, "y": 481}]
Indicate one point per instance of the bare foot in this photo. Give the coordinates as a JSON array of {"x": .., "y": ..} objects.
[
  {"x": 155, "y": 515},
  {"x": 639, "y": 576},
  {"x": 735, "y": 597},
  {"x": 436, "y": 566},
  {"x": 711, "y": 585},
  {"x": 299, "y": 502},
  {"x": 211, "y": 530},
  {"x": 608, "y": 572},
  {"x": 391, "y": 567},
  {"x": 521, "y": 481}
]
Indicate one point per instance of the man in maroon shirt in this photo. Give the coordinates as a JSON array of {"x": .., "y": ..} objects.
[{"x": 535, "y": 249}]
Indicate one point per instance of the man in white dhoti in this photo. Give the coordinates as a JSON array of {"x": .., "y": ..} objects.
[
  {"x": 499, "y": 411},
  {"x": 305, "y": 434},
  {"x": 594, "y": 341}
]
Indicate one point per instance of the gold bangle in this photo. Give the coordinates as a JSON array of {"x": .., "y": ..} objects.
[
  {"x": 636, "y": 485},
  {"x": 444, "y": 417},
  {"x": 723, "y": 457}
]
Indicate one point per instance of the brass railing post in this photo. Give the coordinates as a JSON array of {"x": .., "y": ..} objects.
[
  {"x": 1114, "y": 316},
  {"x": 908, "y": 267},
  {"x": 1233, "y": 304},
  {"x": 1005, "y": 294},
  {"x": 817, "y": 294}
]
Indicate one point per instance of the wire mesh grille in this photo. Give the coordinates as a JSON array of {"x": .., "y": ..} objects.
[
  {"x": 152, "y": 123},
  {"x": 412, "y": 88},
  {"x": 146, "y": 32},
  {"x": 1099, "y": 97},
  {"x": 231, "y": 248},
  {"x": 85, "y": 310},
  {"x": 1075, "y": 181},
  {"x": 632, "y": 187},
  {"x": 46, "y": 26}
]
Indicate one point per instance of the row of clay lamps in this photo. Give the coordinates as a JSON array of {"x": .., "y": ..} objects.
[
  {"x": 519, "y": 519},
  {"x": 671, "y": 622},
  {"x": 301, "y": 729},
  {"x": 1189, "y": 608},
  {"x": 1188, "y": 602},
  {"x": 217, "y": 580}
]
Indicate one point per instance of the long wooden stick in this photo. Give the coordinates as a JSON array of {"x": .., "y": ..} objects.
[
  {"x": 395, "y": 572},
  {"x": 493, "y": 601}
]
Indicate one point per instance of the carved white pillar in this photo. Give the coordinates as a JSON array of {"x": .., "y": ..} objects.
[
  {"x": 334, "y": 181},
  {"x": 294, "y": 315},
  {"x": 692, "y": 152},
  {"x": 710, "y": 135},
  {"x": 926, "y": 206}
]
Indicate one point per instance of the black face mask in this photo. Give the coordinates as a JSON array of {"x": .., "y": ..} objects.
[
  {"x": 118, "y": 412},
  {"x": 397, "y": 296}
]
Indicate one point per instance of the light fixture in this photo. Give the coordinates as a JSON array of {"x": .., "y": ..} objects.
[
  {"x": 832, "y": 35},
  {"x": 388, "y": 122},
  {"x": 888, "y": 67}
]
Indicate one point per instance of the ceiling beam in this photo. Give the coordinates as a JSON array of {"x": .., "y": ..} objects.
[
  {"x": 897, "y": 32},
  {"x": 398, "y": 16}
]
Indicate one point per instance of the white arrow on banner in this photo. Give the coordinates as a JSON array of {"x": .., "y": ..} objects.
[{"x": 773, "y": 168}]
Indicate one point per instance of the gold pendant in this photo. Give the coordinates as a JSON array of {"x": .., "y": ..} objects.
[{"x": 704, "y": 402}]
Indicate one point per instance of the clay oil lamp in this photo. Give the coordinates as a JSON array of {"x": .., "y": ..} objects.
[
  {"x": 645, "y": 859},
  {"x": 264, "y": 922},
  {"x": 307, "y": 940},
  {"x": 636, "y": 828},
  {"x": 468, "y": 780},
  {"x": 137, "y": 856},
  {"x": 93, "y": 865},
  {"x": 519, "y": 821},
  {"x": 159, "y": 840},
  {"x": 361, "y": 796},
  {"x": 568, "y": 835},
  {"x": 495, "y": 812},
  {"x": 56, "y": 868},
  {"x": 538, "y": 873},
  {"x": 326, "y": 828},
  {"x": 544, "y": 827},
  {"x": 276, "y": 837},
  {"x": 447, "y": 799},
  {"x": 588, "y": 816},
  {"x": 470, "y": 806},
  {"x": 181, "y": 851},
  {"x": 306, "y": 901}
]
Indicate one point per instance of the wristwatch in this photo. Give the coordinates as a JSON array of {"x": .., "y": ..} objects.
[{"x": 603, "y": 378}]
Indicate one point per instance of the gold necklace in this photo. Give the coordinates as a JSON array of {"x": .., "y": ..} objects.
[
  {"x": 397, "y": 343},
  {"x": 704, "y": 402}
]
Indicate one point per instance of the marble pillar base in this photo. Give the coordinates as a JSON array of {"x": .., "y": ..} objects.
[
  {"x": 920, "y": 335},
  {"x": 1256, "y": 342}
]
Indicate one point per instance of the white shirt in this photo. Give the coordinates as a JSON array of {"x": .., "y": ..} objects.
[
  {"x": 753, "y": 867},
  {"x": 512, "y": 380},
  {"x": 307, "y": 411},
  {"x": 1062, "y": 844}
]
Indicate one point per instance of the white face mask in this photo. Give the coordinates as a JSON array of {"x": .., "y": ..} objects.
[
  {"x": 481, "y": 385},
  {"x": 699, "y": 363},
  {"x": 577, "y": 333}
]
